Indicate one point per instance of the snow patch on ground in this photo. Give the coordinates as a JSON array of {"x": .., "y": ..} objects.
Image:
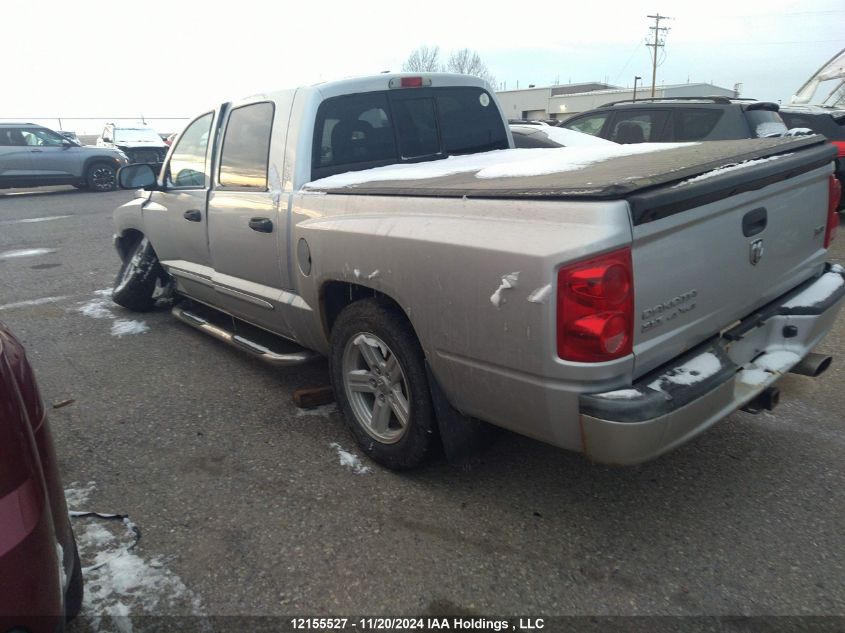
[
  {"x": 32, "y": 302},
  {"x": 728, "y": 168},
  {"x": 325, "y": 411},
  {"x": 119, "y": 582},
  {"x": 540, "y": 295},
  {"x": 97, "y": 309},
  {"x": 100, "y": 308},
  {"x": 496, "y": 164},
  {"x": 122, "y": 327},
  {"x": 825, "y": 286},
  {"x": 508, "y": 281},
  {"x": 693, "y": 371},
  {"x": 26, "y": 252},
  {"x": 77, "y": 494},
  {"x": 350, "y": 460}
]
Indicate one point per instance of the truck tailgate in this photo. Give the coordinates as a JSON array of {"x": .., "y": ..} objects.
[{"x": 711, "y": 249}]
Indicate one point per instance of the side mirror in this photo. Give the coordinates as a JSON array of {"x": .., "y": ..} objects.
[
  {"x": 66, "y": 143},
  {"x": 135, "y": 176}
]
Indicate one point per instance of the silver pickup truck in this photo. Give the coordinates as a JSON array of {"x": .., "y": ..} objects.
[{"x": 612, "y": 300}]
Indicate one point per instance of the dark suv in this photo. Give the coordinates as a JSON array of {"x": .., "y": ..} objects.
[
  {"x": 679, "y": 119},
  {"x": 829, "y": 122},
  {"x": 34, "y": 156}
]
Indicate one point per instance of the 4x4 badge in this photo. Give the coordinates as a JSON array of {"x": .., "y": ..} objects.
[{"x": 756, "y": 252}]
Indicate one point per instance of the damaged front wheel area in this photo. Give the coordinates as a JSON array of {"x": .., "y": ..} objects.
[{"x": 135, "y": 285}]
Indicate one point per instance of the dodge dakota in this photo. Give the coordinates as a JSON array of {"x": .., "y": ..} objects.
[{"x": 611, "y": 300}]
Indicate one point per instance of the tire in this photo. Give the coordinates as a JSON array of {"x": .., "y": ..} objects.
[
  {"x": 75, "y": 589},
  {"x": 379, "y": 379},
  {"x": 136, "y": 280},
  {"x": 101, "y": 177}
]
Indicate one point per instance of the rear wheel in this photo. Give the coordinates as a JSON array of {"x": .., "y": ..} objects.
[
  {"x": 101, "y": 177},
  {"x": 380, "y": 383},
  {"x": 135, "y": 284}
]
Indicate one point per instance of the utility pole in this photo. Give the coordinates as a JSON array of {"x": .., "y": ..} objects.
[{"x": 658, "y": 43}]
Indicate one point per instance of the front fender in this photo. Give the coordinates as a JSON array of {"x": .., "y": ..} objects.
[{"x": 128, "y": 218}]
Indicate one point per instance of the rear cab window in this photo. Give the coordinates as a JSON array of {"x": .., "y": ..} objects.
[{"x": 361, "y": 131}]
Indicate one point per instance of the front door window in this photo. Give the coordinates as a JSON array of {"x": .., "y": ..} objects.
[{"x": 188, "y": 166}]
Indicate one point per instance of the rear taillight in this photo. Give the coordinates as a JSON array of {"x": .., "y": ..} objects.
[
  {"x": 834, "y": 195},
  {"x": 840, "y": 146},
  {"x": 595, "y": 308}
]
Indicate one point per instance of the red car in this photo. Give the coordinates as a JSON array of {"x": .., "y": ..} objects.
[{"x": 40, "y": 573}]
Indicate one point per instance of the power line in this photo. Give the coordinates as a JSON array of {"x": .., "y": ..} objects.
[
  {"x": 782, "y": 42},
  {"x": 633, "y": 52},
  {"x": 778, "y": 14}
]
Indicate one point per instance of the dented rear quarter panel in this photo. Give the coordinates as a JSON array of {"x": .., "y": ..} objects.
[{"x": 442, "y": 260}]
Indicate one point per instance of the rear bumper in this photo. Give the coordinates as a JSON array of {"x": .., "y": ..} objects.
[{"x": 673, "y": 404}]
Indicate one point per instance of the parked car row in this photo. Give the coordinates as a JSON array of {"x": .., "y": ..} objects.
[{"x": 33, "y": 156}]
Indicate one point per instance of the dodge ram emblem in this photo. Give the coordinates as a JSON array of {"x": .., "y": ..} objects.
[{"x": 756, "y": 252}]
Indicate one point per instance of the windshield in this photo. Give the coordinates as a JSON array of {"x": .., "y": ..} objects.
[{"x": 136, "y": 135}]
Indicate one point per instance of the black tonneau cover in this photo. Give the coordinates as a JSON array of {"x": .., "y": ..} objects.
[{"x": 637, "y": 178}]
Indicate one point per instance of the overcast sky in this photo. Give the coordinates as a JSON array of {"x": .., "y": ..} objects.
[{"x": 176, "y": 57}]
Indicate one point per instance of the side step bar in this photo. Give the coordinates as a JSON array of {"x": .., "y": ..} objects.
[{"x": 235, "y": 340}]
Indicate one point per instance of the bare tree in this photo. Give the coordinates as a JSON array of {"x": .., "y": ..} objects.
[
  {"x": 423, "y": 60},
  {"x": 469, "y": 62}
]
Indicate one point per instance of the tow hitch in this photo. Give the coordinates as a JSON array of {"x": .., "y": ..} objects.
[{"x": 767, "y": 400}]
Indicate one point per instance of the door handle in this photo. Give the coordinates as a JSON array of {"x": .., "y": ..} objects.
[
  {"x": 262, "y": 225},
  {"x": 754, "y": 222},
  {"x": 194, "y": 215}
]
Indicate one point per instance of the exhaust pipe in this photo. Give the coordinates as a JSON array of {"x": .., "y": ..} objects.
[
  {"x": 812, "y": 365},
  {"x": 767, "y": 400}
]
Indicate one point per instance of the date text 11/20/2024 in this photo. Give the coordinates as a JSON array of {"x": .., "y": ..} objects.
[{"x": 416, "y": 624}]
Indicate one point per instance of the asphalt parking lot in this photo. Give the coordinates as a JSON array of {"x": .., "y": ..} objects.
[{"x": 248, "y": 505}]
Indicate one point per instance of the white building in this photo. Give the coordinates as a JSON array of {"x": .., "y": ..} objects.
[{"x": 561, "y": 102}]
